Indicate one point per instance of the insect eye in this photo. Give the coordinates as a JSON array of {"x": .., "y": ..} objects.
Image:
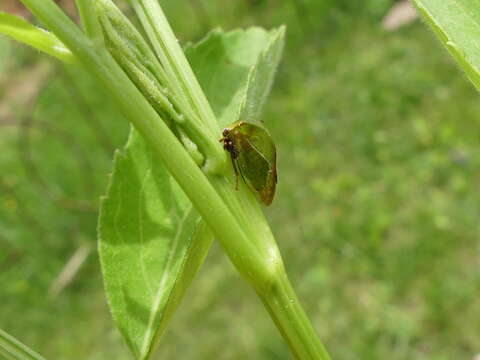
[{"x": 226, "y": 132}]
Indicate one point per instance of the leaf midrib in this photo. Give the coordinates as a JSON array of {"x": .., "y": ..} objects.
[{"x": 162, "y": 284}]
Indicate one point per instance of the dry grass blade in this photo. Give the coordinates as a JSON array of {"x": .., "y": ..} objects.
[
  {"x": 70, "y": 270},
  {"x": 401, "y": 14}
]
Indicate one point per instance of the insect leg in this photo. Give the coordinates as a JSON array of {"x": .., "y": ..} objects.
[
  {"x": 235, "y": 169},
  {"x": 241, "y": 174}
]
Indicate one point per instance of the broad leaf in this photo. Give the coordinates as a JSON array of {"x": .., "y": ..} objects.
[
  {"x": 40, "y": 39},
  {"x": 152, "y": 242},
  {"x": 457, "y": 24},
  {"x": 231, "y": 65},
  {"x": 151, "y": 245}
]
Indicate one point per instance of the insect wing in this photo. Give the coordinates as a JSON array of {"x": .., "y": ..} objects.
[{"x": 257, "y": 159}]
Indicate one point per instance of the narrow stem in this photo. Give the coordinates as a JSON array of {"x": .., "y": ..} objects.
[
  {"x": 90, "y": 23},
  {"x": 170, "y": 52},
  {"x": 287, "y": 312},
  {"x": 11, "y": 348},
  {"x": 215, "y": 156},
  {"x": 24, "y": 32}
]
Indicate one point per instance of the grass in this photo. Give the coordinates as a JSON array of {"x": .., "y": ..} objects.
[{"x": 376, "y": 211}]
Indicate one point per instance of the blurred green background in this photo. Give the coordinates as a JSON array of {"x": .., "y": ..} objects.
[{"x": 377, "y": 211}]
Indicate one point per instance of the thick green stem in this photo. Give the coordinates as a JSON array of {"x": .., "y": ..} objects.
[
  {"x": 90, "y": 23},
  {"x": 287, "y": 312},
  {"x": 183, "y": 82},
  {"x": 171, "y": 54},
  {"x": 276, "y": 292}
]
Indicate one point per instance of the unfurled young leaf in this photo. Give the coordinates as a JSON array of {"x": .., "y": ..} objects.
[
  {"x": 457, "y": 24},
  {"x": 262, "y": 75},
  {"x": 24, "y": 32},
  {"x": 236, "y": 70},
  {"x": 152, "y": 241}
]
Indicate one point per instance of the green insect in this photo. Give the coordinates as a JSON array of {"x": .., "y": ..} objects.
[{"x": 253, "y": 156}]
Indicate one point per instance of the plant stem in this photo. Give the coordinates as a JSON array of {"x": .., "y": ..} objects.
[
  {"x": 287, "y": 312},
  {"x": 24, "y": 32},
  {"x": 276, "y": 292},
  {"x": 172, "y": 57},
  {"x": 254, "y": 265},
  {"x": 182, "y": 80},
  {"x": 13, "y": 349},
  {"x": 235, "y": 217},
  {"x": 137, "y": 59},
  {"x": 90, "y": 23}
]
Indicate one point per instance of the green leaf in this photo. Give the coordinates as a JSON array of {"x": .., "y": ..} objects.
[
  {"x": 12, "y": 349},
  {"x": 261, "y": 76},
  {"x": 26, "y": 33},
  {"x": 152, "y": 243},
  {"x": 236, "y": 70},
  {"x": 457, "y": 24}
]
